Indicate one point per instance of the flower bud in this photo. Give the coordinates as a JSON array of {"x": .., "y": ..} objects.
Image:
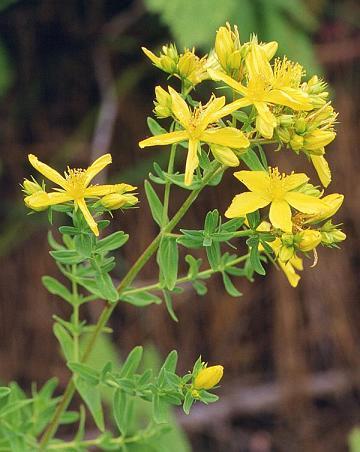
[
  {"x": 332, "y": 237},
  {"x": 285, "y": 120},
  {"x": 309, "y": 239},
  {"x": 162, "y": 103},
  {"x": 296, "y": 142},
  {"x": 208, "y": 377},
  {"x": 270, "y": 49},
  {"x": 286, "y": 253},
  {"x": 318, "y": 139},
  {"x": 300, "y": 125},
  {"x": 227, "y": 48},
  {"x": 115, "y": 201},
  {"x": 224, "y": 155},
  {"x": 30, "y": 187},
  {"x": 283, "y": 134}
]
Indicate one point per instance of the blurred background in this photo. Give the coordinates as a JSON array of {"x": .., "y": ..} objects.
[{"x": 74, "y": 83}]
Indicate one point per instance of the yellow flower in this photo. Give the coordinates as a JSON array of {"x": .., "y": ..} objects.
[
  {"x": 75, "y": 186},
  {"x": 227, "y": 48},
  {"x": 275, "y": 189},
  {"x": 196, "y": 129},
  {"x": 290, "y": 267},
  {"x": 266, "y": 88},
  {"x": 208, "y": 377},
  {"x": 191, "y": 68}
]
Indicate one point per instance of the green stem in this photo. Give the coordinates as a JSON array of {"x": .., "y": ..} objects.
[
  {"x": 262, "y": 141},
  {"x": 106, "y": 313},
  {"x": 201, "y": 275},
  {"x": 75, "y": 314},
  {"x": 168, "y": 185}
]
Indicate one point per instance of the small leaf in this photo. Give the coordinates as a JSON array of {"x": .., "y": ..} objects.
[
  {"x": 168, "y": 260},
  {"x": 229, "y": 286},
  {"x": 200, "y": 288},
  {"x": 65, "y": 341},
  {"x": 123, "y": 410},
  {"x": 171, "y": 361},
  {"x": 141, "y": 299},
  {"x": 160, "y": 409},
  {"x": 213, "y": 253},
  {"x": 155, "y": 204},
  {"x": 4, "y": 391},
  {"x": 92, "y": 376},
  {"x": 189, "y": 400},
  {"x": 154, "y": 127},
  {"x": 112, "y": 242},
  {"x": 91, "y": 396},
  {"x": 169, "y": 305},
  {"x": 252, "y": 161},
  {"x": 83, "y": 244},
  {"x": 106, "y": 287},
  {"x": 67, "y": 256},
  {"x": 132, "y": 362},
  {"x": 56, "y": 288}
]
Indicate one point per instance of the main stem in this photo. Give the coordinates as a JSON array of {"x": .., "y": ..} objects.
[{"x": 107, "y": 311}]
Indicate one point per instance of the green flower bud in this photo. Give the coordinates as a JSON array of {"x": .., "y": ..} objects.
[{"x": 296, "y": 142}]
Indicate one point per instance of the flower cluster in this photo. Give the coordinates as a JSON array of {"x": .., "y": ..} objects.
[{"x": 271, "y": 103}]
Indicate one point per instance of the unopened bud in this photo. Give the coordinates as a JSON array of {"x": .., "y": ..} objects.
[
  {"x": 30, "y": 187},
  {"x": 162, "y": 103},
  {"x": 208, "y": 377},
  {"x": 332, "y": 237},
  {"x": 224, "y": 155},
  {"x": 115, "y": 201},
  {"x": 283, "y": 134},
  {"x": 296, "y": 142},
  {"x": 300, "y": 125},
  {"x": 286, "y": 253},
  {"x": 309, "y": 239}
]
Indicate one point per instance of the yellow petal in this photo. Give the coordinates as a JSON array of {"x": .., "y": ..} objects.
[
  {"x": 224, "y": 155},
  {"x": 230, "y": 108},
  {"x": 257, "y": 63},
  {"x": 322, "y": 169},
  {"x": 270, "y": 48},
  {"x": 165, "y": 138},
  {"x": 42, "y": 200},
  {"x": 211, "y": 113},
  {"x": 151, "y": 56},
  {"x": 297, "y": 262},
  {"x": 226, "y": 136},
  {"x": 290, "y": 273},
  {"x": 102, "y": 190},
  {"x": 47, "y": 171},
  {"x": 97, "y": 166},
  {"x": 294, "y": 180},
  {"x": 280, "y": 215},
  {"x": 265, "y": 128},
  {"x": 257, "y": 181},
  {"x": 192, "y": 161},
  {"x": 180, "y": 108},
  {"x": 318, "y": 139},
  {"x": 333, "y": 203},
  {"x": 268, "y": 119},
  {"x": 218, "y": 75},
  {"x": 290, "y": 97},
  {"x": 304, "y": 203},
  {"x": 87, "y": 215},
  {"x": 245, "y": 203}
]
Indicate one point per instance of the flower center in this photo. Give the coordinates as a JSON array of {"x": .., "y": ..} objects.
[
  {"x": 76, "y": 182},
  {"x": 287, "y": 73},
  {"x": 277, "y": 188}
]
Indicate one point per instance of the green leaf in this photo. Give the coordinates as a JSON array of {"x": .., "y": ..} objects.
[
  {"x": 83, "y": 244},
  {"x": 155, "y": 204},
  {"x": 123, "y": 407},
  {"x": 112, "y": 242},
  {"x": 169, "y": 305},
  {"x": 92, "y": 376},
  {"x": 207, "y": 397},
  {"x": 252, "y": 161},
  {"x": 91, "y": 396},
  {"x": 194, "y": 266},
  {"x": 106, "y": 287},
  {"x": 141, "y": 299},
  {"x": 65, "y": 341},
  {"x": 255, "y": 257},
  {"x": 67, "y": 256},
  {"x": 168, "y": 260},
  {"x": 229, "y": 286},
  {"x": 56, "y": 288},
  {"x": 4, "y": 391},
  {"x": 189, "y": 400},
  {"x": 171, "y": 361},
  {"x": 132, "y": 362},
  {"x": 154, "y": 127},
  {"x": 69, "y": 417},
  {"x": 213, "y": 253},
  {"x": 200, "y": 288},
  {"x": 160, "y": 409}
]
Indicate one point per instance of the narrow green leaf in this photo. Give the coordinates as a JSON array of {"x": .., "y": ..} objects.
[
  {"x": 65, "y": 341},
  {"x": 154, "y": 127},
  {"x": 141, "y": 299},
  {"x": 83, "y": 244},
  {"x": 229, "y": 286},
  {"x": 112, "y": 242},
  {"x": 123, "y": 407},
  {"x": 132, "y": 362},
  {"x": 106, "y": 287},
  {"x": 91, "y": 396},
  {"x": 155, "y": 204},
  {"x": 168, "y": 260},
  {"x": 189, "y": 400},
  {"x": 67, "y": 256},
  {"x": 213, "y": 253},
  {"x": 92, "y": 376},
  {"x": 4, "y": 391},
  {"x": 56, "y": 288},
  {"x": 171, "y": 361},
  {"x": 169, "y": 305},
  {"x": 160, "y": 409}
]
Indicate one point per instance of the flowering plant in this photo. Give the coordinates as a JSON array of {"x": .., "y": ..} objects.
[{"x": 282, "y": 218}]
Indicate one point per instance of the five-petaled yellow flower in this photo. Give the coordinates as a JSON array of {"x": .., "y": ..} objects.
[
  {"x": 275, "y": 189},
  {"x": 196, "y": 129},
  {"x": 266, "y": 87},
  {"x": 75, "y": 186}
]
